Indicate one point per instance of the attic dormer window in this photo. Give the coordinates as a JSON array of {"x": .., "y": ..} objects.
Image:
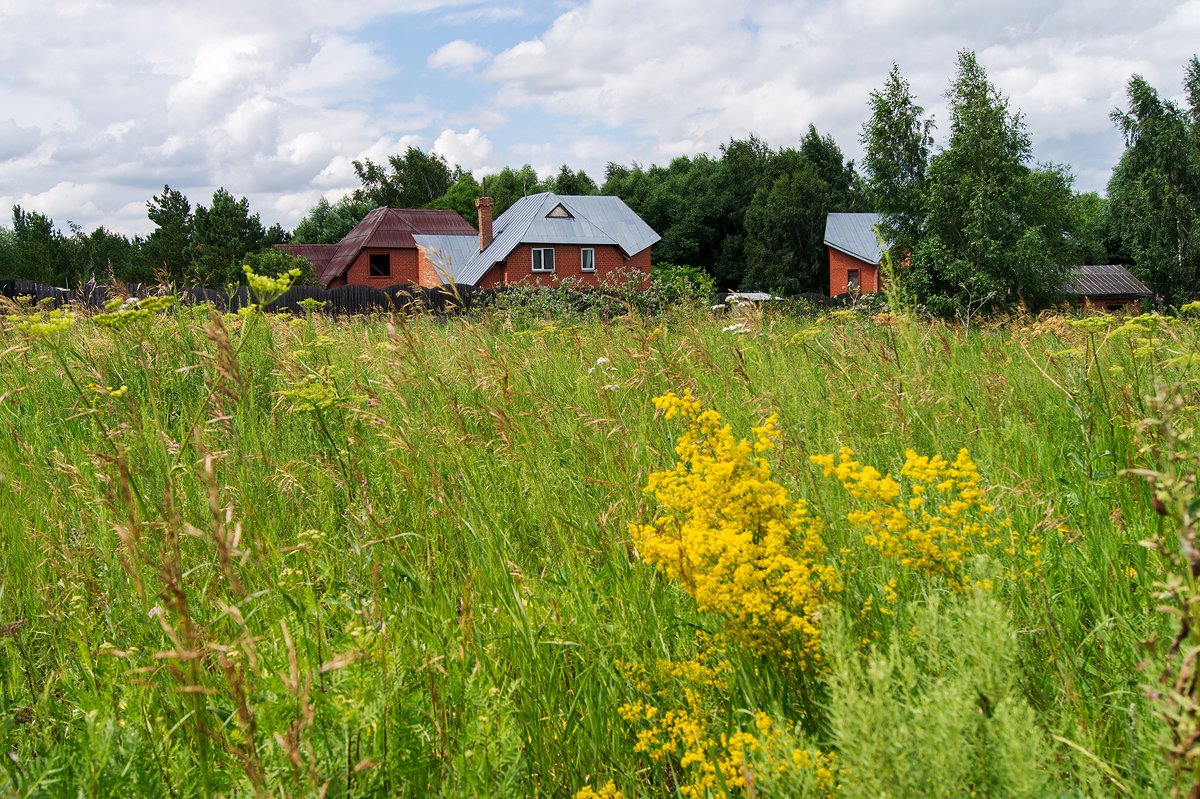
[{"x": 558, "y": 212}]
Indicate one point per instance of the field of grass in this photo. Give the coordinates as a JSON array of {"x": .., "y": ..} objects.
[{"x": 277, "y": 556}]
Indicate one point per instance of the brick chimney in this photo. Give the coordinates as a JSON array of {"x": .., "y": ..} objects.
[{"x": 484, "y": 205}]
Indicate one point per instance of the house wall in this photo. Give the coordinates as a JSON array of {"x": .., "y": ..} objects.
[
  {"x": 611, "y": 266},
  {"x": 840, "y": 264},
  {"x": 1127, "y": 305},
  {"x": 427, "y": 271},
  {"x": 403, "y": 263}
]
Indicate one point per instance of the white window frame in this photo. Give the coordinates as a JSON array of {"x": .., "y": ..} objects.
[
  {"x": 585, "y": 251},
  {"x": 539, "y": 257}
]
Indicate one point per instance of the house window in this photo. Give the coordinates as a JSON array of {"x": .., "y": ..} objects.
[
  {"x": 380, "y": 264},
  {"x": 587, "y": 259},
  {"x": 543, "y": 259},
  {"x": 851, "y": 280}
]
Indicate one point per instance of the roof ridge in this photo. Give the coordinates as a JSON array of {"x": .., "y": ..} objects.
[{"x": 371, "y": 227}]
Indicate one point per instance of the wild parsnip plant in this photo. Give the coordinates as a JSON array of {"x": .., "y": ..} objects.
[{"x": 260, "y": 555}]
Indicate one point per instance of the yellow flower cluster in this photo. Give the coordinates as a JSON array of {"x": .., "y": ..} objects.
[
  {"x": 684, "y": 732},
  {"x": 607, "y": 791},
  {"x": 933, "y": 524},
  {"x": 735, "y": 539}
]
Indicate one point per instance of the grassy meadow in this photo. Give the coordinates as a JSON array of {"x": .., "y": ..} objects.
[{"x": 263, "y": 555}]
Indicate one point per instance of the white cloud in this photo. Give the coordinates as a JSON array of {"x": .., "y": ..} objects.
[
  {"x": 103, "y": 101},
  {"x": 471, "y": 150},
  {"x": 687, "y": 76},
  {"x": 457, "y": 56}
]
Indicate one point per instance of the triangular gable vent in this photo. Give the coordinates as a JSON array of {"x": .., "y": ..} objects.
[{"x": 559, "y": 212}]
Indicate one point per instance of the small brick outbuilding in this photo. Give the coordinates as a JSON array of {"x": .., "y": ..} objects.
[{"x": 855, "y": 253}]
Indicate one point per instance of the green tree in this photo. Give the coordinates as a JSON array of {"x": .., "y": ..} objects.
[
  {"x": 412, "y": 180},
  {"x": 461, "y": 197},
  {"x": 897, "y": 140},
  {"x": 785, "y": 222},
  {"x": 991, "y": 238},
  {"x": 328, "y": 223},
  {"x": 509, "y": 185},
  {"x": 689, "y": 205},
  {"x": 8, "y": 254},
  {"x": 223, "y": 235},
  {"x": 168, "y": 249},
  {"x": 41, "y": 250},
  {"x": 572, "y": 183},
  {"x": 103, "y": 253},
  {"x": 1154, "y": 193},
  {"x": 1090, "y": 224}
]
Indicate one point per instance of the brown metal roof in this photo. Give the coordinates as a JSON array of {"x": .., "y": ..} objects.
[
  {"x": 1106, "y": 280},
  {"x": 391, "y": 228},
  {"x": 316, "y": 254}
]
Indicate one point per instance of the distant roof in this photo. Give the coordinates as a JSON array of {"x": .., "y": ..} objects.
[
  {"x": 854, "y": 234},
  {"x": 392, "y": 228},
  {"x": 316, "y": 254},
  {"x": 1106, "y": 280},
  {"x": 537, "y": 219}
]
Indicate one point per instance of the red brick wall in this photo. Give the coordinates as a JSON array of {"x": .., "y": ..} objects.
[
  {"x": 611, "y": 265},
  {"x": 840, "y": 264},
  {"x": 404, "y": 268}
]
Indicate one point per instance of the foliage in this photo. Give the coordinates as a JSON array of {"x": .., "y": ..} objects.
[
  {"x": 222, "y": 235},
  {"x": 785, "y": 222},
  {"x": 461, "y": 197},
  {"x": 328, "y": 223},
  {"x": 1154, "y": 193},
  {"x": 276, "y": 263},
  {"x": 897, "y": 140},
  {"x": 570, "y": 182},
  {"x": 39, "y": 247},
  {"x": 510, "y": 185},
  {"x": 257, "y": 554},
  {"x": 980, "y": 227},
  {"x": 169, "y": 247},
  {"x": 677, "y": 283},
  {"x": 411, "y": 180}
]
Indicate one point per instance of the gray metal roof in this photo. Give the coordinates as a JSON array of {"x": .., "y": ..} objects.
[
  {"x": 1106, "y": 280},
  {"x": 592, "y": 220},
  {"x": 854, "y": 234},
  {"x": 445, "y": 252}
]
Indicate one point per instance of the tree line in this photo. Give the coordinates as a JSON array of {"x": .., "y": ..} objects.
[{"x": 974, "y": 223}]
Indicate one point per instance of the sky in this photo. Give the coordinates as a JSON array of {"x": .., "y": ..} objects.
[{"x": 103, "y": 103}]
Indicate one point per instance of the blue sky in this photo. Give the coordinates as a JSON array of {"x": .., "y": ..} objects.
[{"x": 104, "y": 101}]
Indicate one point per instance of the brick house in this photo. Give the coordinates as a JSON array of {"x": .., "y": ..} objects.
[
  {"x": 541, "y": 240},
  {"x": 855, "y": 253},
  {"x": 381, "y": 250}
]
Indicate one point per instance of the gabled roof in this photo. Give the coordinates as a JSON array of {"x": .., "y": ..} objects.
[
  {"x": 316, "y": 254},
  {"x": 1106, "y": 280},
  {"x": 854, "y": 234},
  {"x": 593, "y": 220},
  {"x": 391, "y": 228}
]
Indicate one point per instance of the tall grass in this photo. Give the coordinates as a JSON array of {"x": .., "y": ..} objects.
[{"x": 279, "y": 556}]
